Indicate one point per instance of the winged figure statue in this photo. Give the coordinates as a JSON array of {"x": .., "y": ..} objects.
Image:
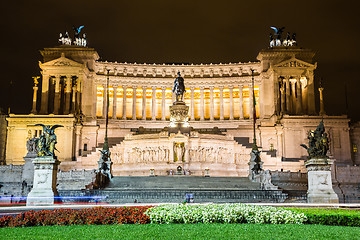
[{"x": 46, "y": 142}]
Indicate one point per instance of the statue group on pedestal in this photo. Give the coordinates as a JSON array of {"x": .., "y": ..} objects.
[
  {"x": 45, "y": 144},
  {"x": 277, "y": 40},
  {"x": 78, "y": 40},
  {"x": 318, "y": 142}
]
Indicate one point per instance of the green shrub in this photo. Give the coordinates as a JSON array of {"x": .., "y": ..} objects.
[{"x": 336, "y": 217}]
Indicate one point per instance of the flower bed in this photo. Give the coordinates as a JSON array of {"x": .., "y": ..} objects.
[
  {"x": 87, "y": 216},
  {"x": 223, "y": 213}
]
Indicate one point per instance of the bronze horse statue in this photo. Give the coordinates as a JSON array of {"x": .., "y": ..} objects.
[{"x": 179, "y": 88}]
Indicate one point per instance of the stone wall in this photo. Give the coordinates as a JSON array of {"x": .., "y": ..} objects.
[
  {"x": 11, "y": 181},
  {"x": 3, "y": 126},
  {"x": 17, "y": 180},
  {"x": 74, "y": 179},
  {"x": 346, "y": 183},
  {"x": 355, "y": 141}
]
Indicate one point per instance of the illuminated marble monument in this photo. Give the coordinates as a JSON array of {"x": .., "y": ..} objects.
[{"x": 218, "y": 100}]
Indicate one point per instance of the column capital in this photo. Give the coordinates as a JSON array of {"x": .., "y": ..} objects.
[
  {"x": 202, "y": 88},
  {"x": 163, "y": 88},
  {"x": 153, "y": 88},
  {"x": 211, "y": 88}
]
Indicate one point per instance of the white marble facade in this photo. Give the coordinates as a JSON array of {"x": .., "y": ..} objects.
[{"x": 218, "y": 95}]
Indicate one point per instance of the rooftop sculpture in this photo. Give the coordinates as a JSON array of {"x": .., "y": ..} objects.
[
  {"x": 276, "y": 39},
  {"x": 78, "y": 40}
]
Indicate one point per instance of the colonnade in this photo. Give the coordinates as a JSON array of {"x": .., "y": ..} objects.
[
  {"x": 61, "y": 94},
  {"x": 292, "y": 95},
  {"x": 206, "y": 103}
]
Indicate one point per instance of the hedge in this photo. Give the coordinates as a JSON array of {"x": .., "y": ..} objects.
[
  {"x": 86, "y": 216},
  {"x": 335, "y": 217}
]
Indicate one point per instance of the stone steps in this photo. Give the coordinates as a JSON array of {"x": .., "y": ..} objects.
[
  {"x": 173, "y": 196},
  {"x": 172, "y": 189},
  {"x": 183, "y": 182}
]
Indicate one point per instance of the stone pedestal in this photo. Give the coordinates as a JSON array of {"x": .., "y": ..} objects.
[
  {"x": 319, "y": 181},
  {"x": 179, "y": 118},
  {"x": 44, "y": 185}
]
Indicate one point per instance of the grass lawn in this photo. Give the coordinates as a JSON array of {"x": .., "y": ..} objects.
[
  {"x": 183, "y": 231},
  {"x": 350, "y": 212}
]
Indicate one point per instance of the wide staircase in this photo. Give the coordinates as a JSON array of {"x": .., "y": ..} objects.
[{"x": 173, "y": 189}]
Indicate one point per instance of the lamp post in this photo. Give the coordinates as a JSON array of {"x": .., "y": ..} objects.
[
  {"x": 255, "y": 164},
  {"x": 254, "y": 110},
  {"x": 106, "y": 145}
]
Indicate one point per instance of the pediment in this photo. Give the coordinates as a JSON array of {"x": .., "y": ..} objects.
[
  {"x": 295, "y": 63},
  {"x": 61, "y": 62}
]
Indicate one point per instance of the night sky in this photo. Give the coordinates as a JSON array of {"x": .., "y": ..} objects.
[{"x": 167, "y": 31}]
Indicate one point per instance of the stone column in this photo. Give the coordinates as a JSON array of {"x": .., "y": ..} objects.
[
  {"x": 44, "y": 94},
  {"x": 134, "y": 104},
  {"x": 221, "y": 103},
  {"x": 261, "y": 100},
  {"x": 124, "y": 103},
  {"x": 320, "y": 188},
  {"x": 33, "y": 110},
  {"x": 311, "y": 93},
  {"x": 153, "y": 117},
  {"x": 163, "y": 103},
  {"x": 293, "y": 97},
  {"x": 241, "y": 114},
  {"x": 304, "y": 96},
  {"x": 173, "y": 97},
  {"x": 212, "y": 103},
  {"x": 78, "y": 94},
  {"x": 287, "y": 90},
  {"x": 67, "y": 94},
  {"x": 44, "y": 185},
  {"x": 251, "y": 102},
  {"x": 114, "y": 101},
  {"x": 144, "y": 104},
  {"x": 192, "y": 104},
  {"x": 298, "y": 96},
  {"x": 276, "y": 94},
  {"x": 73, "y": 110},
  {"x": 282, "y": 90},
  {"x": 322, "y": 110},
  {"x": 57, "y": 95},
  {"x": 231, "y": 103},
  {"x": 104, "y": 101},
  {"x": 202, "y": 108}
]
